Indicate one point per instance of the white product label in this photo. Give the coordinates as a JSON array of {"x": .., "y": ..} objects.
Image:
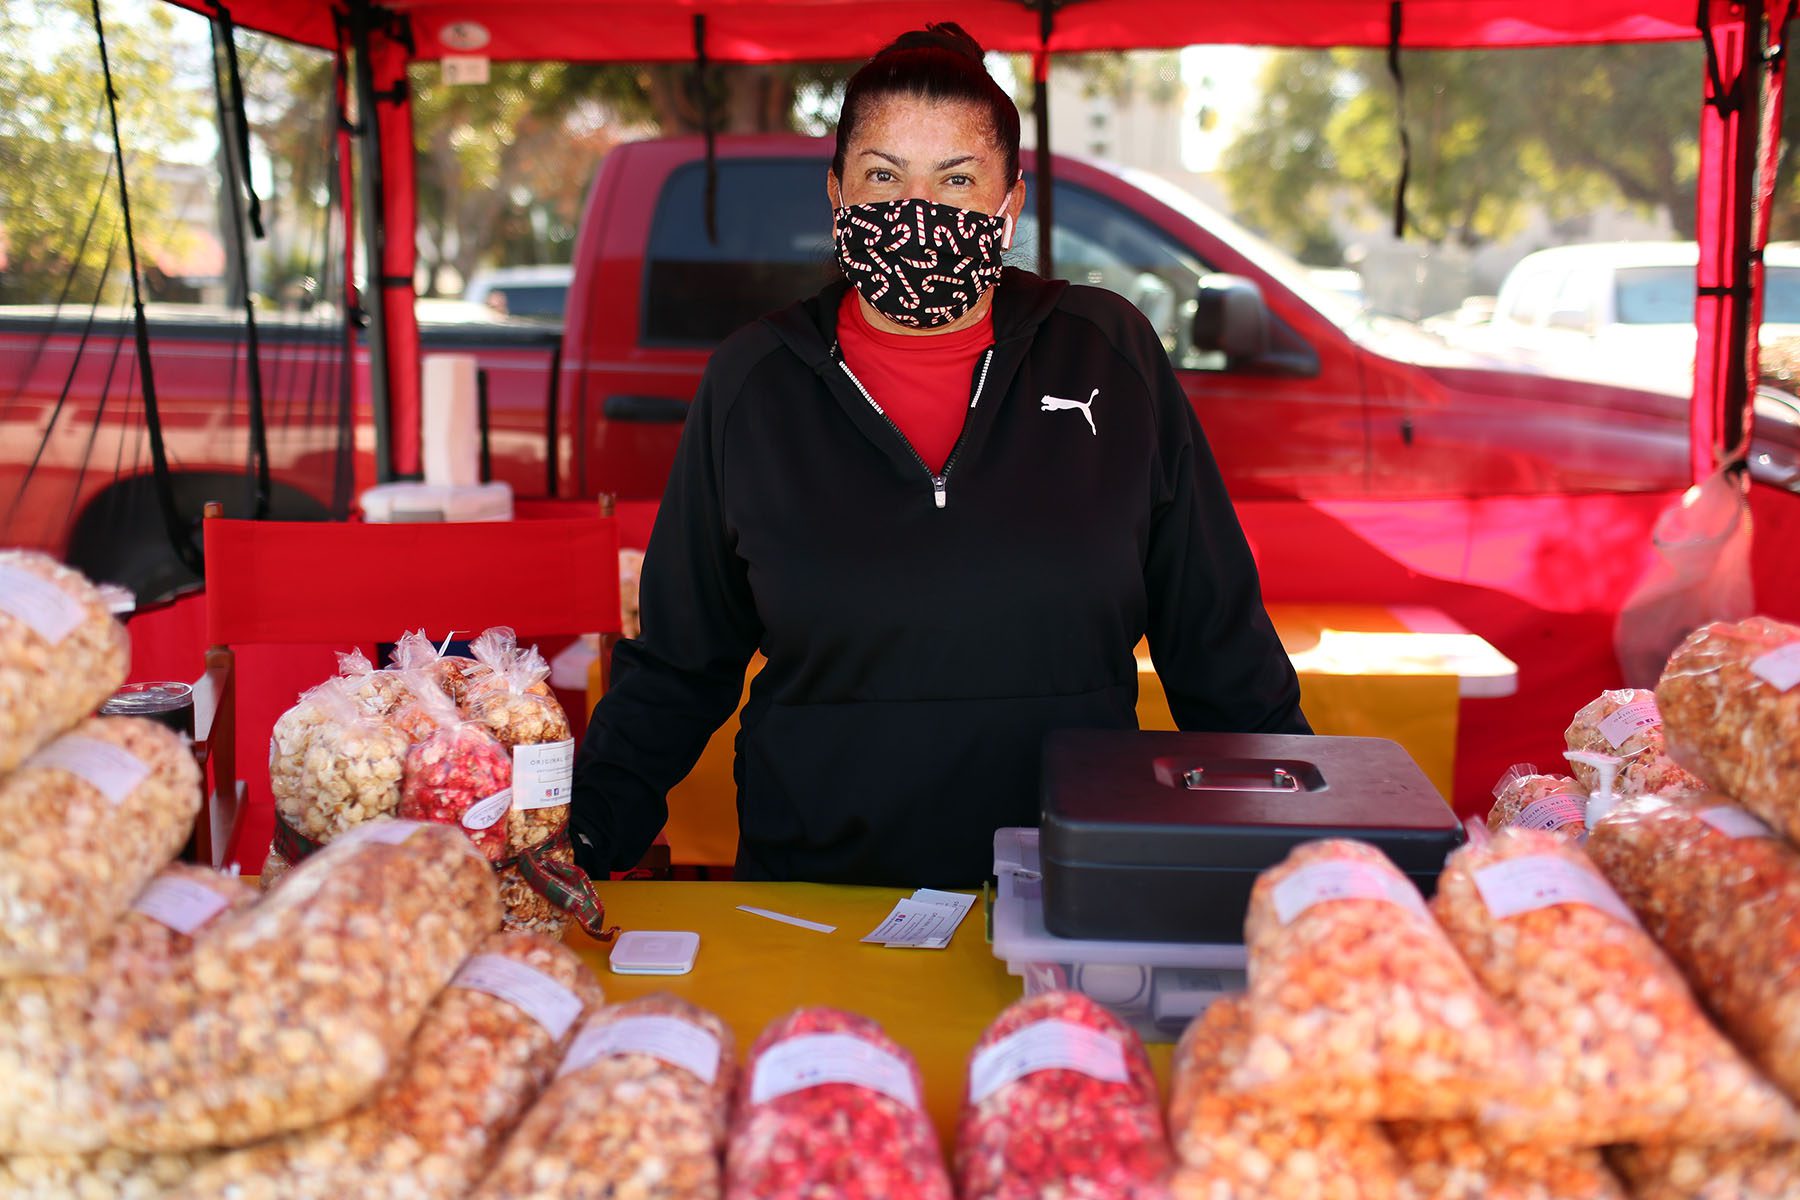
[
  {"x": 45, "y": 609},
  {"x": 818, "y": 1058},
  {"x": 542, "y": 775},
  {"x": 528, "y": 989},
  {"x": 387, "y": 832},
  {"x": 184, "y": 905},
  {"x": 483, "y": 814},
  {"x": 1779, "y": 667},
  {"x": 1522, "y": 885},
  {"x": 112, "y": 770},
  {"x": 1046, "y": 1046},
  {"x": 668, "y": 1039},
  {"x": 1344, "y": 880},
  {"x": 1635, "y": 717},
  {"x": 1734, "y": 822},
  {"x": 1553, "y": 811}
]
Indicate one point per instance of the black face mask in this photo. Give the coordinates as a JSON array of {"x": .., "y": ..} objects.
[{"x": 917, "y": 263}]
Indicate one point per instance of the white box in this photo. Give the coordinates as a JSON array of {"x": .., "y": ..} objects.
[
  {"x": 394, "y": 503},
  {"x": 450, "y": 415},
  {"x": 1155, "y": 987}
]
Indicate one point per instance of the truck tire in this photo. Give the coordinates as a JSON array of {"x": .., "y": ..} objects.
[{"x": 120, "y": 537}]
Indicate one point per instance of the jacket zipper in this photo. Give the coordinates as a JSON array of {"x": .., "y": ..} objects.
[{"x": 939, "y": 482}]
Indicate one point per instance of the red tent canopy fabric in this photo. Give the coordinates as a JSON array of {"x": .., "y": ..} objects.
[{"x": 799, "y": 30}]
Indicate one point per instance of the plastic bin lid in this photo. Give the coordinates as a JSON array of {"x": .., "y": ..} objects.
[{"x": 1020, "y": 936}]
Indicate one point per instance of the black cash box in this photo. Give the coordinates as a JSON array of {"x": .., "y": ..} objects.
[{"x": 1159, "y": 836}]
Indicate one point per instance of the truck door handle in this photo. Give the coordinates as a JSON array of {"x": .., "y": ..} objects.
[{"x": 650, "y": 410}]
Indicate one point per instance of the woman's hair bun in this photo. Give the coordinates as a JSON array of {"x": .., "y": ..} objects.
[{"x": 941, "y": 35}]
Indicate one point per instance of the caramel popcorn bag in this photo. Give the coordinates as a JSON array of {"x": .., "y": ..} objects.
[
  {"x": 291, "y": 1012},
  {"x": 62, "y": 653},
  {"x": 1528, "y": 800},
  {"x": 1235, "y": 1147},
  {"x": 638, "y": 1108},
  {"x": 1730, "y": 702},
  {"x": 482, "y": 1052},
  {"x": 1359, "y": 1006},
  {"x": 1626, "y": 723},
  {"x": 1721, "y": 893},
  {"x": 90, "y": 818},
  {"x": 1615, "y": 1029}
]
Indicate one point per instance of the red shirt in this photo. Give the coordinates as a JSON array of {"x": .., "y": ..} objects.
[{"x": 921, "y": 382}]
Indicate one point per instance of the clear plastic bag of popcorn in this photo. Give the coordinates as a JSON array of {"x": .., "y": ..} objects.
[
  {"x": 1731, "y": 1171},
  {"x": 1235, "y": 1147},
  {"x": 1730, "y": 702},
  {"x": 1061, "y": 1102},
  {"x": 1528, "y": 800},
  {"x": 638, "y": 1108},
  {"x": 351, "y": 771},
  {"x": 1626, "y": 723},
  {"x": 291, "y": 1012},
  {"x": 1359, "y": 1006},
  {"x": 382, "y": 692},
  {"x": 515, "y": 703},
  {"x": 1720, "y": 892},
  {"x": 62, "y": 653},
  {"x": 1619, "y": 1037},
  {"x": 483, "y": 1051},
  {"x": 1454, "y": 1161},
  {"x": 101, "y": 1175},
  {"x": 47, "y": 1097},
  {"x": 458, "y": 773},
  {"x": 829, "y": 1105},
  {"x": 90, "y": 818}
]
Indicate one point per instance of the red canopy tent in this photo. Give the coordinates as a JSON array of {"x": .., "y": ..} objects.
[{"x": 1739, "y": 118}]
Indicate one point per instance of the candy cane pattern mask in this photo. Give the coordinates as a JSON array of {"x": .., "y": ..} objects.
[{"x": 918, "y": 263}]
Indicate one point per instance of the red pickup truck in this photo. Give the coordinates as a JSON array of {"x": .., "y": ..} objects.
[{"x": 1369, "y": 460}]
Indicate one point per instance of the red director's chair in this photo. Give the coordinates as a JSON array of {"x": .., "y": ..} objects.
[{"x": 350, "y": 584}]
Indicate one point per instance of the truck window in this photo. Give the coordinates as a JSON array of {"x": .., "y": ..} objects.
[
  {"x": 774, "y": 247},
  {"x": 1105, "y": 244}
]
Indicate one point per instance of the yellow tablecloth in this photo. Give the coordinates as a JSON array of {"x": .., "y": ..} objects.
[
  {"x": 751, "y": 970},
  {"x": 1417, "y": 708}
]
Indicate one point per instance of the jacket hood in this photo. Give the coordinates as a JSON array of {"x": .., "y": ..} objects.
[{"x": 809, "y": 328}]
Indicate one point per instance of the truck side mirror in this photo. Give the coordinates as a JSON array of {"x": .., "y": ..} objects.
[{"x": 1230, "y": 317}]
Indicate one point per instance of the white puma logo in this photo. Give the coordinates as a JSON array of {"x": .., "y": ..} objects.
[{"x": 1052, "y": 403}]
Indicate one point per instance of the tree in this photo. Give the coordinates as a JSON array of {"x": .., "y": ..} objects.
[
  {"x": 56, "y": 148},
  {"x": 1494, "y": 135}
]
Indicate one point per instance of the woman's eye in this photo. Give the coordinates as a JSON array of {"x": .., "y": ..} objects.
[
  {"x": 960, "y": 181},
  {"x": 881, "y": 175}
]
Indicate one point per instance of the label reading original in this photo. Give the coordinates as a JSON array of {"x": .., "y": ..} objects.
[
  {"x": 1522, "y": 885},
  {"x": 542, "y": 775},
  {"x": 184, "y": 905},
  {"x": 1320, "y": 882},
  {"x": 1554, "y": 811},
  {"x": 818, "y": 1058},
  {"x": 483, "y": 813},
  {"x": 1635, "y": 717},
  {"x": 1780, "y": 667},
  {"x": 1045, "y": 1046},
  {"x": 1734, "y": 822},
  {"x": 668, "y": 1039},
  {"x": 112, "y": 770},
  {"x": 528, "y": 989},
  {"x": 44, "y": 608}
]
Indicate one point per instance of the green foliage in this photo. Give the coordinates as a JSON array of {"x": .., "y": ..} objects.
[
  {"x": 56, "y": 145},
  {"x": 1495, "y": 136}
]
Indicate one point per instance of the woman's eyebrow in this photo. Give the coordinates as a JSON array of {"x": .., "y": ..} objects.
[{"x": 945, "y": 165}]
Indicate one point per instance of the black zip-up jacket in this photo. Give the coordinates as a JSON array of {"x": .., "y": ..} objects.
[{"x": 923, "y": 633}]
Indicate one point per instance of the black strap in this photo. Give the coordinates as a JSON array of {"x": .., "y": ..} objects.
[
  {"x": 226, "y": 32},
  {"x": 1393, "y": 64},
  {"x": 702, "y": 86},
  {"x": 1723, "y": 98},
  {"x": 176, "y": 529}
]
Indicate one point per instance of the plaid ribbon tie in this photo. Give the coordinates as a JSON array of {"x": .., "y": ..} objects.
[{"x": 563, "y": 884}]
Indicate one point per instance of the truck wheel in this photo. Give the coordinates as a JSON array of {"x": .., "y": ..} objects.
[{"x": 120, "y": 537}]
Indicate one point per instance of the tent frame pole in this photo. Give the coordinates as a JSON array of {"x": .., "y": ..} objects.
[
  {"x": 370, "y": 201},
  {"x": 1040, "y": 111}
]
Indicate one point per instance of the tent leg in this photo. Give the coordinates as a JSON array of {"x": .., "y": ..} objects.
[
  {"x": 369, "y": 200},
  {"x": 1040, "y": 104}
]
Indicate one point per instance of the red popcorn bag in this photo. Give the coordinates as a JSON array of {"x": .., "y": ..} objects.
[
  {"x": 1061, "y": 1103},
  {"x": 457, "y": 774},
  {"x": 830, "y": 1106}
]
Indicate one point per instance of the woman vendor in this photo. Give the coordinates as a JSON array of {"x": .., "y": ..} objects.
[{"x": 945, "y": 498}]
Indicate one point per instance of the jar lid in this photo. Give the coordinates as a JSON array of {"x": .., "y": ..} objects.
[{"x": 147, "y": 699}]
